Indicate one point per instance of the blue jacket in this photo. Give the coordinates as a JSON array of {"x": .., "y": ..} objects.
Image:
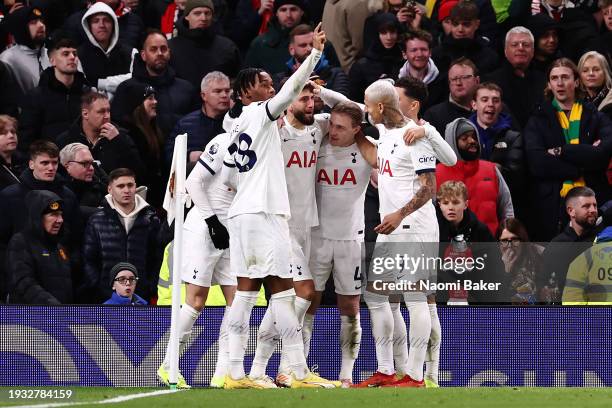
[
  {"x": 117, "y": 299},
  {"x": 200, "y": 130}
]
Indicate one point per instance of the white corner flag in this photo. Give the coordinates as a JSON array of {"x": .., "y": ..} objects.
[{"x": 174, "y": 204}]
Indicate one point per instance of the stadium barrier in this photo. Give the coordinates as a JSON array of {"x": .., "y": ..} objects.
[{"x": 481, "y": 346}]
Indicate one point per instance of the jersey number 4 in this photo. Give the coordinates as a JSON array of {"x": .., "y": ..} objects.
[{"x": 244, "y": 158}]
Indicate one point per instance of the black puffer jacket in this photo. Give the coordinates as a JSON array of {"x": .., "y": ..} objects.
[
  {"x": 50, "y": 108},
  {"x": 9, "y": 174},
  {"x": 176, "y": 97},
  {"x": 39, "y": 266},
  {"x": 106, "y": 243}
]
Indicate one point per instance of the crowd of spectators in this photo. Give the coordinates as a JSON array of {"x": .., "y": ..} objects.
[{"x": 94, "y": 93}]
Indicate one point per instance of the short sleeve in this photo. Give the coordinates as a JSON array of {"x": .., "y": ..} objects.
[{"x": 423, "y": 157}]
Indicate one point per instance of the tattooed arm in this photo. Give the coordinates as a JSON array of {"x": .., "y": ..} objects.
[{"x": 427, "y": 192}]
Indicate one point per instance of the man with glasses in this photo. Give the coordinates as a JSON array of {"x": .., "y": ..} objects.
[
  {"x": 462, "y": 80},
  {"x": 85, "y": 178},
  {"x": 124, "y": 277},
  {"x": 125, "y": 229}
]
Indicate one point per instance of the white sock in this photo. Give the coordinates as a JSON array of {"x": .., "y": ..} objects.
[
  {"x": 301, "y": 305},
  {"x": 238, "y": 327},
  {"x": 307, "y": 325},
  {"x": 187, "y": 318},
  {"x": 420, "y": 329},
  {"x": 350, "y": 341},
  {"x": 381, "y": 320},
  {"x": 432, "y": 358},
  {"x": 223, "y": 354},
  {"x": 267, "y": 337},
  {"x": 288, "y": 326},
  {"x": 400, "y": 340}
]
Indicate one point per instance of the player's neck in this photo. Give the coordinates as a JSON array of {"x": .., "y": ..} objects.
[{"x": 292, "y": 120}]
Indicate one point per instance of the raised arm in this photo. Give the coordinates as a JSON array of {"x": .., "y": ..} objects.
[{"x": 292, "y": 88}]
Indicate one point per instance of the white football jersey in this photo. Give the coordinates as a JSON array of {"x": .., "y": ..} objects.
[
  {"x": 398, "y": 169},
  {"x": 300, "y": 149},
  {"x": 219, "y": 195},
  {"x": 342, "y": 179},
  {"x": 255, "y": 153}
]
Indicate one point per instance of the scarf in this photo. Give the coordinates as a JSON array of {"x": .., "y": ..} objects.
[{"x": 571, "y": 133}]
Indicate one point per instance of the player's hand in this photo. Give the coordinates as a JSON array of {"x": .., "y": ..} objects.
[
  {"x": 413, "y": 134},
  {"x": 389, "y": 223},
  {"x": 316, "y": 88},
  {"x": 319, "y": 39},
  {"x": 109, "y": 131},
  {"x": 218, "y": 232}
]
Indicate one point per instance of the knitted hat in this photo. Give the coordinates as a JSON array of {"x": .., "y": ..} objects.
[
  {"x": 121, "y": 266},
  {"x": 540, "y": 24},
  {"x": 17, "y": 23},
  {"x": 279, "y": 3},
  {"x": 445, "y": 9},
  {"x": 191, "y": 4},
  {"x": 56, "y": 205},
  {"x": 464, "y": 126},
  {"x": 133, "y": 95}
]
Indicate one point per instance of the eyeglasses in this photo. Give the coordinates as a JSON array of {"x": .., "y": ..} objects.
[
  {"x": 126, "y": 281},
  {"x": 85, "y": 164},
  {"x": 507, "y": 243},
  {"x": 460, "y": 78}
]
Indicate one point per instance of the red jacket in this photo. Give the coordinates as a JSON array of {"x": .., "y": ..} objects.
[{"x": 480, "y": 178}]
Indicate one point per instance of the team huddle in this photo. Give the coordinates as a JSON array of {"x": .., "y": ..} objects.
[{"x": 283, "y": 204}]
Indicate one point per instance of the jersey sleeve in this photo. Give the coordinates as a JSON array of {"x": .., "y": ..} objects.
[
  {"x": 423, "y": 157},
  {"x": 322, "y": 120},
  {"x": 444, "y": 152}
]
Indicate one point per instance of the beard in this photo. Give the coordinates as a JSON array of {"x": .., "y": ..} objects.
[
  {"x": 586, "y": 222},
  {"x": 469, "y": 156},
  {"x": 303, "y": 118}
]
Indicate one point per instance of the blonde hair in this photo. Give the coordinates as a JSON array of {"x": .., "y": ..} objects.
[
  {"x": 7, "y": 122},
  {"x": 452, "y": 188},
  {"x": 603, "y": 63},
  {"x": 383, "y": 91}
]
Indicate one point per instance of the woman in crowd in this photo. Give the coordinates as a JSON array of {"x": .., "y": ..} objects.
[
  {"x": 596, "y": 81},
  {"x": 12, "y": 162},
  {"x": 522, "y": 260}
]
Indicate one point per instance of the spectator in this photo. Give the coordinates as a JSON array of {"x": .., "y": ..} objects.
[
  {"x": 468, "y": 237},
  {"x": 567, "y": 144},
  {"x": 204, "y": 124},
  {"x": 596, "y": 81},
  {"x": 28, "y": 57},
  {"x": 545, "y": 31},
  {"x": 251, "y": 19},
  {"x": 444, "y": 18},
  {"x": 51, "y": 107},
  {"x": 11, "y": 92},
  {"x": 140, "y": 119},
  {"x": 126, "y": 229},
  {"x": 12, "y": 162},
  {"x": 85, "y": 178},
  {"x": 606, "y": 28},
  {"x": 578, "y": 235},
  {"x": 300, "y": 45},
  {"x": 269, "y": 50},
  {"x": 343, "y": 21},
  {"x": 499, "y": 143},
  {"x": 130, "y": 24},
  {"x": 175, "y": 96},
  {"x": 419, "y": 65},
  {"x": 39, "y": 265},
  {"x": 522, "y": 260},
  {"x": 198, "y": 50},
  {"x": 109, "y": 146},
  {"x": 522, "y": 86},
  {"x": 105, "y": 60},
  {"x": 463, "y": 41},
  {"x": 382, "y": 59},
  {"x": 124, "y": 278},
  {"x": 463, "y": 80},
  {"x": 489, "y": 195}
]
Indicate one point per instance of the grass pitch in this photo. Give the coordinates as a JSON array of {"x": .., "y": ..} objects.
[{"x": 372, "y": 398}]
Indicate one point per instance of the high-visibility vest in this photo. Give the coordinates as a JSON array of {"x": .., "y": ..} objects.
[{"x": 164, "y": 286}]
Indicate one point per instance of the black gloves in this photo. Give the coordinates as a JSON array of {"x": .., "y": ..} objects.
[{"x": 218, "y": 232}]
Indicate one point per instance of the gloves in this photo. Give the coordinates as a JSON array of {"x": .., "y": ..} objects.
[{"x": 218, "y": 232}]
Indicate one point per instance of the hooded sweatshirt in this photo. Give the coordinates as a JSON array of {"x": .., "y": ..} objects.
[
  {"x": 105, "y": 68},
  {"x": 468, "y": 171},
  {"x": 432, "y": 72},
  {"x": 127, "y": 220}
]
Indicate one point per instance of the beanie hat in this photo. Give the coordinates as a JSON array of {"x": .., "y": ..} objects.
[
  {"x": 17, "y": 23},
  {"x": 133, "y": 95},
  {"x": 279, "y": 3},
  {"x": 445, "y": 9},
  {"x": 55, "y": 205},
  {"x": 464, "y": 126},
  {"x": 191, "y": 4},
  {"x": 540, "y": 24},
  {"x": 121, "y": 266}
]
